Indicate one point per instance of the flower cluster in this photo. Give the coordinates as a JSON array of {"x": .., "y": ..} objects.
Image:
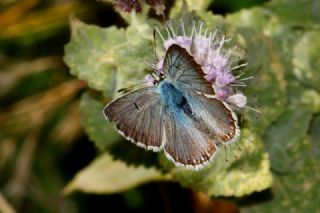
[
  {"x": 208, "y": 51},
  {"x": 129, "y": 5}
]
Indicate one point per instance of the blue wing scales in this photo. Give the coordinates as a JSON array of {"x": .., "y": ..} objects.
[{"x": 185, "y": 143}]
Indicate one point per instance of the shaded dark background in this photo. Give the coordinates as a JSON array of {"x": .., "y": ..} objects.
[{"x": 37, "y": 159}]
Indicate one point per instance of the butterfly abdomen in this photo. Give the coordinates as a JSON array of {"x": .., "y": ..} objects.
[{"x": 174, "y": 99}]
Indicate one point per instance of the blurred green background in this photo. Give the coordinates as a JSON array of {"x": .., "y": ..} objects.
[{"x": 42, "y": 142}]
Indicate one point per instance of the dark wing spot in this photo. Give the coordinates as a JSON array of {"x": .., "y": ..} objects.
[{"x": 136, "y": 106}]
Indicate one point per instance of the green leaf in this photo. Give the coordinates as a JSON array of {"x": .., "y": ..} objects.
[
  {"x": 297, "y": 190},
  {"x": 131, "y": 58},
  {"x": 264, "y": 64},
  {"x": 306, "y": 59},
  {"x": 288, "y": 130},
  {"x": 99, "y": 130},
  {"x": 296, "y": 176},
  {"x": 212, "y": 22},
  {"x": 257, "y": 19},
  {"x": 288, "y": 143},
  {"x": 90, "y": 54},
  {"x": 108, "y": 59},
  {"x": 297, "y": 13},
  {"x": 107, "y": 176},
  {"x": 286, "y": 139},
  {"x": 232, "y": 172},
  {"x": 269, "y": 84}
]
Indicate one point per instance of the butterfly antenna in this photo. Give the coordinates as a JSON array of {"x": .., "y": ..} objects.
[
  {"x": 155, "y": 42},
  {"x": 129, "y": 88}
]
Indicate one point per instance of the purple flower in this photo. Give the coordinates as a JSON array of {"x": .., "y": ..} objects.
[
  {"x": 128, "y": 5},
  {"x": 209, "y": 52},
  {"x": 159, "y": 67},
  {"x": 237, "y": 99},
  {"x": 149, "y": 80}
]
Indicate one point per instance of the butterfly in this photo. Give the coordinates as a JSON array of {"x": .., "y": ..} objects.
[{"x": 178, "y": 115}]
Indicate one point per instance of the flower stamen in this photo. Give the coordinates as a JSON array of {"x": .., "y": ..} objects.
[
  {"x": 239, "y": 66},
  {"x": 159, "y": 33},
  {"x": 182, "y": 27}
]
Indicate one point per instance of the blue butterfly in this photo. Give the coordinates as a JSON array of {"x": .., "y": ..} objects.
[{"x": 178, "y": 115}]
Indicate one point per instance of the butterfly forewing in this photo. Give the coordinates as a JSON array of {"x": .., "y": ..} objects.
[
  {"x": 180, "y": 67},
  {"x": 138, "y": 116}
]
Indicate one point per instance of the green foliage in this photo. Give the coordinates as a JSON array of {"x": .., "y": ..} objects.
[
  {"x": 233, "y": 172},
  {"x": 103, "y": 135},
  {"x": 105, "y": 175},
  {"x": 306, "y": 59},
  {"x": 298, "y": 13},
  {"x": 281, "y": 42},
  {"x": 287, "y": 137},
  {"x": 92, "y": 59},
  {"x": 96, "y": 54}
]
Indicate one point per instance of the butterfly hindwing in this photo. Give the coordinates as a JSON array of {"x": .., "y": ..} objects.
[
  {"x": 138, "y": 116},
  {"x": 185, "y": 141},
  {"x": 216, "y": 115}
]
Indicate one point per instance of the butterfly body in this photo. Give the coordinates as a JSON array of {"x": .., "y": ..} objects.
[
  {"x": 174, "y": 100},
  {"x": 178, "y": 115}
]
